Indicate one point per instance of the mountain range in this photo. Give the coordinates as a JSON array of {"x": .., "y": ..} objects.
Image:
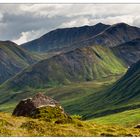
[
  {"x": 71, "y": 56},
  {"x": 61, "y": 38},
  {"x": 109, "y": 51}
]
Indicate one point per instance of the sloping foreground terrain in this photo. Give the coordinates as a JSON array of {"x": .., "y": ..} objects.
[
  {"x": 24, "y": 126},
  {"x": 12, "y": 60}
]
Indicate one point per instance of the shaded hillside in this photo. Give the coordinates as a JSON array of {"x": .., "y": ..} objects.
[
  {"x": 129, "y": 52},
  {"x": 116, "y": 34},
  {"x": 123, "y": 95},
  {"x": 83, "y": 64},
  {"x": 127, "y": 89},
  {"x": 121, "y": 38},
  {"x": 12, "y": 60},
  {"x": 98, "y": 34},
  {"x": 114, "y": 37},
  {"x": 60, "y": 38}
]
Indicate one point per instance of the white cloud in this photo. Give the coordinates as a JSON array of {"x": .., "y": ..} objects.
[
  {"x": 23, "y": 38},
  {"x": 25, "y": 22},
  {"x": 27, "y": 36},
  {"x": 76, "y": 22},
  {"x": 1, "y": 16}
]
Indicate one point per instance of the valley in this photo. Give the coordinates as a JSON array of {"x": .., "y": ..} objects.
[{"x": 92, "y": 71}]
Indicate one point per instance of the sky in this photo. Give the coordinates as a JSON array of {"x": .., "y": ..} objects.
[{"x": 24, "y": 22}]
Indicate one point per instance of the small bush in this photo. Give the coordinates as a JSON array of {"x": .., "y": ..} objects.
[{"x": 78, "y": 117}]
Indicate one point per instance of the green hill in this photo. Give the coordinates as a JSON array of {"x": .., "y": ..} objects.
[
  {"x": 85, "y": 64},
  {"x": 13, "y": 59},
  {"x": 121, "y": 96},
  {"x": 126, "y": 118}
]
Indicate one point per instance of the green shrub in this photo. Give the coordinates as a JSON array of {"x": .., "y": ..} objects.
[{"x": 78, "y": 117}]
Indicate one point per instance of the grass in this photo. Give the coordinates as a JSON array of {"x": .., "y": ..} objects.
[
  {"x": 84, "y": 64},
  {"x": 24, "y": 126},
  {"x": 88, "y": 99},
  {"x": 126, "y": 118},
  {"x": 66, "y": 95}
]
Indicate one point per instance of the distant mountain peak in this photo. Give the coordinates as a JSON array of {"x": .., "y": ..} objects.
[
  {"x": 100, "y": 24},
  {"x": 8, "y": 42},
  {"x": 120, "y": 25},
  {"x": 63, "y": 37}
]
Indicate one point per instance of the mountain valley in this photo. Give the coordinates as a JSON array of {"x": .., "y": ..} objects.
[{"x": 93, "y": 71}]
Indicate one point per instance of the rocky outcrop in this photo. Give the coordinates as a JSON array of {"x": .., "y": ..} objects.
[
  {"x": 137, "y": 126},
  {"x": 42, "y": 107},
  {"x": 26, "y": 107}
]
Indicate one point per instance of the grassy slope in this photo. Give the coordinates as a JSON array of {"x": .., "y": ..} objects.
[
  {"x": 89, "y": 99},
  {"x": 21, "y": 126},
  {"x": 83, "y": 64},
  {"x": 126, "y": 118},
  {"x": 13, "y": 59},
  {"x": 17, "y": 54},
  {"x": 68, "y": 95}
]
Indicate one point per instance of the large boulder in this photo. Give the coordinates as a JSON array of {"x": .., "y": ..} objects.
[
  {"x": 42, "y": 107},
  {"x": 26, "y": 107}
]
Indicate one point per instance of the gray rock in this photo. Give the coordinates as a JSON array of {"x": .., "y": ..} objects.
[{"x": 27, "y": 106}]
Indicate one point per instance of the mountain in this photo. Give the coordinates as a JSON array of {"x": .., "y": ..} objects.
[
  {"x": 129, "y": 51},
  {"x": 84, "y": 61},
  {"x": 83, "y": 64},
  {"x": 127, "y": 89},
  {"x": 60, "y": 38},
  {"x": 98, "y": 34},
  {"x": 117, "y": 37},
  {"x": 12, "y": 60},
  {"x": 122, "y": 96}
]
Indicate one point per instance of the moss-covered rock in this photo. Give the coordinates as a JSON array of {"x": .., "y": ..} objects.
[
  {"x": 42, "y": 107},
  {"x": 51, "y": 114}
]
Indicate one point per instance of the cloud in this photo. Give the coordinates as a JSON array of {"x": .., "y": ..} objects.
[
  {"x": 1, "y": 16},
  {"x": 25, "y": 22},
  {"x": 27, "y": 36}
]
